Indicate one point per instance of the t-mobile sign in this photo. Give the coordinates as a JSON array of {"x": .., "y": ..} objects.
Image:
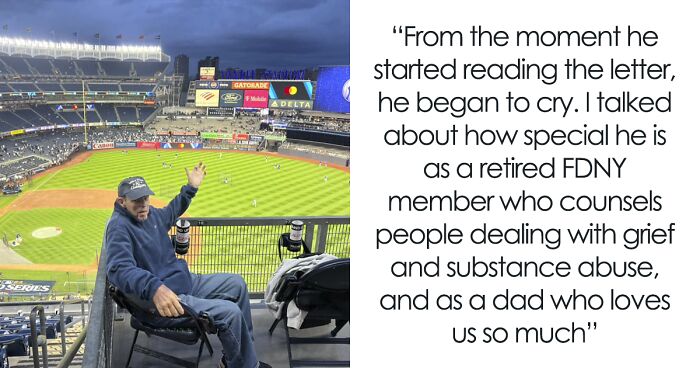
[{"x": 255, "y": 98}]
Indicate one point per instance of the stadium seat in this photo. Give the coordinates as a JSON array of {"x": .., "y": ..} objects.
[
  {"x": 42, "y": 66},
  {"x": 324, "y": 293},
  {"x": 149, "y": 69},
  {"x": 115, "y": 68},
  {"x": 89, "y": 67},
  {"x": 16, "y": 345},
  {"x": 127, "y": 114},
  {"x": 4, "y": 359},
  {"x": 50, "y": 87},
  {"x": 103, "y": 87},
  {"x": 188, "y": 329},
  {"x": 138, "y": 87},
  {"x": 64, "y": 66},
  {"x": 18, "y": 64}
]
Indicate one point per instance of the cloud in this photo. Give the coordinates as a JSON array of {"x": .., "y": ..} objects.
[{"x": 247, "y": 34}]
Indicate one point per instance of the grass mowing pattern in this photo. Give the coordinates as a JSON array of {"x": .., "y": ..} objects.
[
  {"x": 5, "y": 200},
  {"x": 81, "y": 235},
  {"x": 297, "y": 189}
]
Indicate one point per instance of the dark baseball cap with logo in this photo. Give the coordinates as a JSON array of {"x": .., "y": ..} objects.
[{"x": 134, "y": 187}]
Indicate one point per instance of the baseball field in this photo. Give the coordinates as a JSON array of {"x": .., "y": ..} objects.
[{"x": 60, "y": 216}]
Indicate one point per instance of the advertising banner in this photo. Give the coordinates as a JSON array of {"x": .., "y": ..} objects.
[
  {"x": 175, "y": 145},
  {"x": 256, "y": 99},
  {"x": 102, "y": 145},
  {"x": 17, "y": 132},
  {"x": 221, "y": 111},
  {"x": 333, "y": 89},
  {"x": 292, "y": 104},
  {"x": 207, "y": 73},
  {"x": 147, "y": 144},
  {"x": 215, "y": 135},
  {"x": 291, "y": 90},
  {"x": 213, "y": 85},
  {"x": 231, "y": 98},
  {"x": 250, "y": 85},
  {"x": 25, "y": 286},
  {"x": 206, "y": 98},
  {"x": 256, "y": 138},
  {"x": 125, "y": 145},
  {"x": 242, "y": 137}
]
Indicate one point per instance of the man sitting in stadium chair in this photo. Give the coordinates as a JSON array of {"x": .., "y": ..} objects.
[{"x": 142, "y": 263}]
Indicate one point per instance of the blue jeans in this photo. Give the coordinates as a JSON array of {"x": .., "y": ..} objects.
[{"x": 224, "y": 297}]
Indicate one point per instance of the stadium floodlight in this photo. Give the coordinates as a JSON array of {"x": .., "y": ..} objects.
[{"x": 16, "y": 45}]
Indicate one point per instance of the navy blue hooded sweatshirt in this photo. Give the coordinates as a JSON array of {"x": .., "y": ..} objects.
[{"x": 140, "y": 255}]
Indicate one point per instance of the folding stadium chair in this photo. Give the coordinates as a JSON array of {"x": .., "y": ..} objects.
[
  {"x": 188, "y": 329},
  {"x": 15, "y": 344},
  {"x": 324, "y": 293}
]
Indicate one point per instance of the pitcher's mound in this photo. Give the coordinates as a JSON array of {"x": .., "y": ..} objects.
[{"x": 46, "y": 232}]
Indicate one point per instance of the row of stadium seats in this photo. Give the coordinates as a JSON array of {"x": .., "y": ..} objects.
[
  {"x": 40, "y": 115},
  {"x": 12, "y": 66},
  {"x": 75, "y": 87},
  {"x": 14, "y": 334},
  {"x": 20, "y": 166}
]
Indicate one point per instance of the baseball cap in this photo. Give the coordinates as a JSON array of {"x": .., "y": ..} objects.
[{"x": 134, "y": 187}]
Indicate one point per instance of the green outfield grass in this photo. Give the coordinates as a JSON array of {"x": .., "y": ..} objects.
[
  {"x": 297, "y": 189},
  {"x": 78, "y": 243},
  {"x": 6, "y": 199}
]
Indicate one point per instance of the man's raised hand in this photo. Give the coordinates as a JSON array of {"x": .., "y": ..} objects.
[{"x": 195, "y": 177}]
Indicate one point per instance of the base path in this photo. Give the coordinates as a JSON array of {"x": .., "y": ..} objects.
[
  {"x": 68, "y": 198},
  {"x": 50, "y": 267}
]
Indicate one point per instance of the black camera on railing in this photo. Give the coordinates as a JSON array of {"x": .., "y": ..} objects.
[{"x": 181, "y": 239}]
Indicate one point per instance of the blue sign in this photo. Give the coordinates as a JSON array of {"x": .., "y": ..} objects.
[
  {"x": 333, "y": 89},
  {"x": 25, "y": 286}
]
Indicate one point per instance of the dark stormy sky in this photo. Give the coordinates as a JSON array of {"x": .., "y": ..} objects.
[{"x": 246, "y": 34}]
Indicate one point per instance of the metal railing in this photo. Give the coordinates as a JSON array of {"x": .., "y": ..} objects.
[
  {"x": 62, "y": 322},
  {"x": 40, "y": 338},
  {"x": 249, "y": 246},
  {"x": 246, "y": 246}
]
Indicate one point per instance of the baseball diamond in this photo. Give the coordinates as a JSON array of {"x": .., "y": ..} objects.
[{"x": 75, "y": 200}]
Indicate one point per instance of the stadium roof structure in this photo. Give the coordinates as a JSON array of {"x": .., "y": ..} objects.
[{"x": 12, "y": 46}]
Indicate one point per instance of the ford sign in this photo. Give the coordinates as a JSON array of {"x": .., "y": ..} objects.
[{"x": 232, "y": 97}]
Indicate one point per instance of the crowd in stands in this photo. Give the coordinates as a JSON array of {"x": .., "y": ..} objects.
[
  {"x": 240, "y": 124},
  {"x": 321, "y": 150},
  {"x": 29, "y": 153},
  {"x": 319, "y": 123}
]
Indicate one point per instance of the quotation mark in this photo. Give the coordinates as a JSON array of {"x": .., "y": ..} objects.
[
  {"x": 595, "y": 325},
  {"x": 400, "y": 29}
]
